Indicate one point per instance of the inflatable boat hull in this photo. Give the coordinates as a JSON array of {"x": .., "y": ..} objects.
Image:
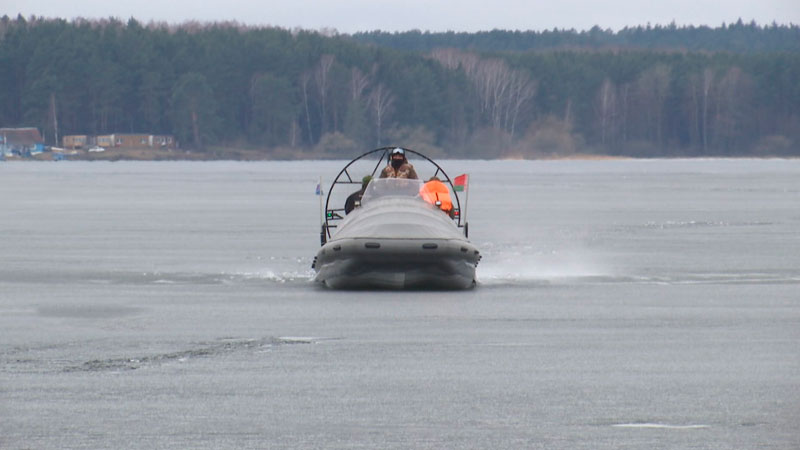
[
  {"x": 374, "y": 263},
  {"x": 396, "y": 240}
]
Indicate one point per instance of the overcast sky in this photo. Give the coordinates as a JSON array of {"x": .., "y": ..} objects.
[{"x": 349, "y": 16}]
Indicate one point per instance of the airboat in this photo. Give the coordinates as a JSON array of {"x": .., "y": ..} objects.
[{"x": 395, "y": 236}]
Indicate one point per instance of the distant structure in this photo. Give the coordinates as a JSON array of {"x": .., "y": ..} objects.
[
  {"x": 76, "y": 141},
  {"x": 119, "y": 140},
  {"x": 21, "y": 141}
]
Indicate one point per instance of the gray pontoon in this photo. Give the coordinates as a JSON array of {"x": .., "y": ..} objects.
[{"x": 394, "y": 239}]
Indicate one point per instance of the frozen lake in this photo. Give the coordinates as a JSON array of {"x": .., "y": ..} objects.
[{"x": 621, "y": 305}]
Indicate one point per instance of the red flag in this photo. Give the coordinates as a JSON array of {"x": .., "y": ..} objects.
[{"x": 460, "y": 182}]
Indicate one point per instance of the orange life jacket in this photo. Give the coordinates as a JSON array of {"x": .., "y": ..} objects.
[{"x": 434, "y": 191}]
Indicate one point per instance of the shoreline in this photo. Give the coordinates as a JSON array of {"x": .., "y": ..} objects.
[{"x": 113, "y": 155}]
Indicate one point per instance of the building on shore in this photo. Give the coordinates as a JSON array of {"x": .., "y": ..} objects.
[
  {"x": 121, "y": 141},
  {"x": 21, "y": 141},
  {"x": 77, "y": 141}
]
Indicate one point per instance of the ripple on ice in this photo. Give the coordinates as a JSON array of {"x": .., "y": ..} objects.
[{"x": 663, "y": 426}]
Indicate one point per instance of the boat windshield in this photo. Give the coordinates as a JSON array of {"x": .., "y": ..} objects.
[{"x": 391, "y": 187}]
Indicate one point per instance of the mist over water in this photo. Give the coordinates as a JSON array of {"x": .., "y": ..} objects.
[{"x": 620, "y": 304}]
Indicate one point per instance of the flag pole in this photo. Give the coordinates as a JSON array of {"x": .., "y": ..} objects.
[
  {"x": 321, "y": 208},
  {"x": 466, "y": 200}
]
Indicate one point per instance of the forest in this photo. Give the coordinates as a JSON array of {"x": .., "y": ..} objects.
[{"x": 647, "y": 91}]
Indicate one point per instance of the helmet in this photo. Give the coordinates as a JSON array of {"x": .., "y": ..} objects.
[{"x": 396, "y": 151}]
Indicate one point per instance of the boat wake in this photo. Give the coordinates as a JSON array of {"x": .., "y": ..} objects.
[
  {"x": 243, "y": 277},
  {"x": 504, "y": 265},
  {"x": 269, "y": 275},
  {"x": 539, "y": 268}
]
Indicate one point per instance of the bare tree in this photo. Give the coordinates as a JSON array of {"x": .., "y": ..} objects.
[
  {"x": 522, "y": 90},
  {"x": 380, "y": 101},
  {"x": 700, "y": 90},
  {"x": 501, "y": 91},
  {"x": 293, "y": 134},
  {"x": 358, "y": 83},
  {"x": 733, "y": 94},
  {"x": 456, "y": 59},
  {"x": 494, "y": 78},
  {"x": 651, "y": 91},
  {"x": 321, "y": 76},
  {"x": 606, "y": 108},
  {"x": 708, "y": 78},
  {"x": 305, "y": 79}
]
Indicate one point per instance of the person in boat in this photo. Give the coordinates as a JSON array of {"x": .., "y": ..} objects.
[
  {"x": 354, "y": 199},
  {"x": 398, "y": 166},
  {"x": 436, "y": 193}
]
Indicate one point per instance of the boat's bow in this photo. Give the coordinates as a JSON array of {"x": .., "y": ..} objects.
[{"x": 397, "y": 241}]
